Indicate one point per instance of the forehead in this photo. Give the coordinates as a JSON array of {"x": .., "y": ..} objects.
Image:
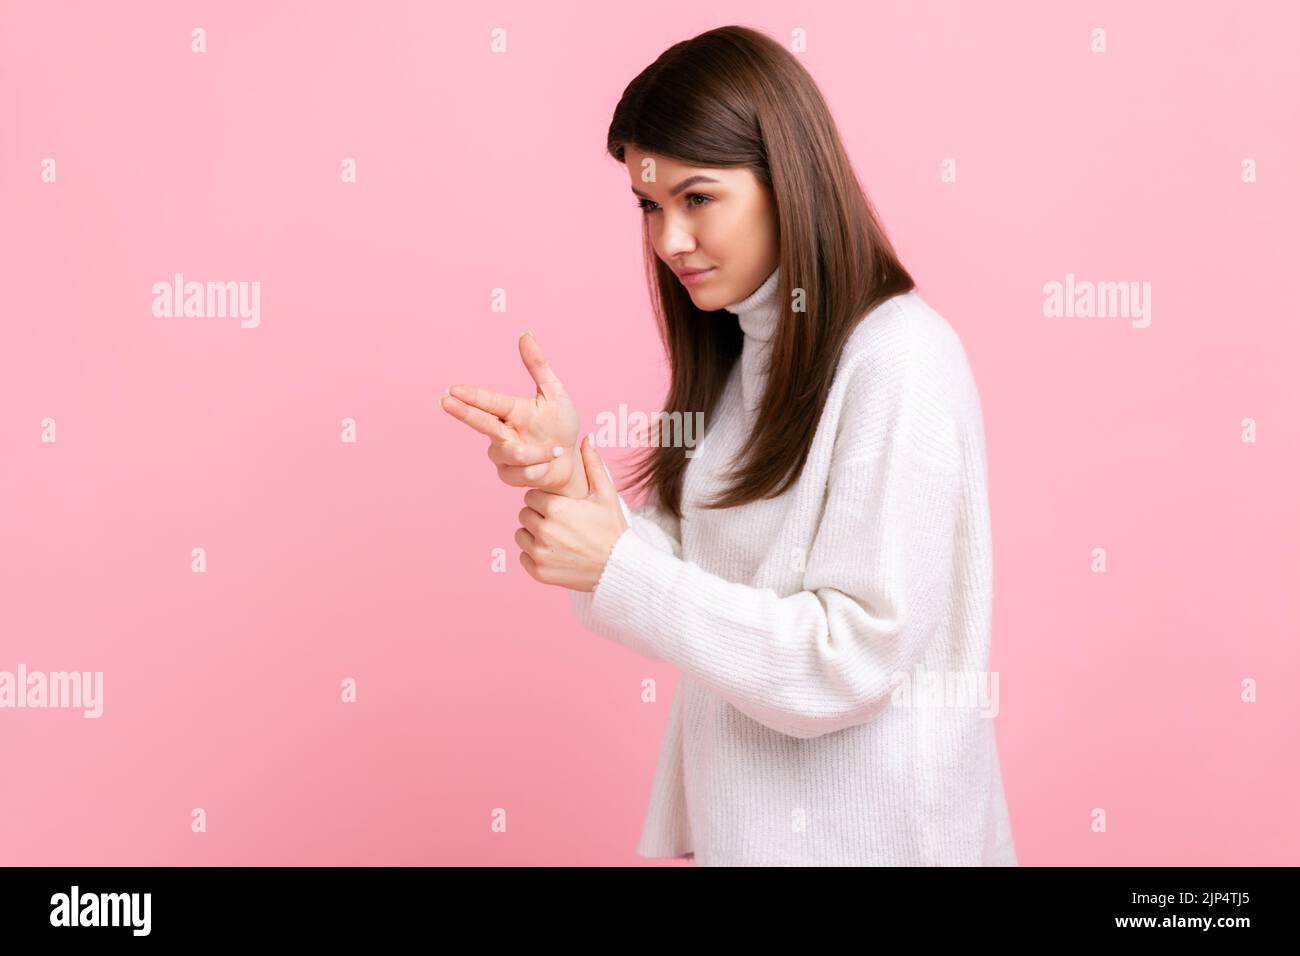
[{"x": 669, "y": 171}]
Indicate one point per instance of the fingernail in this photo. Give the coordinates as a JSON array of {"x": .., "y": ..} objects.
[
  {"x": 557, "y": 451},
  {"x": 447, "y": 390}
]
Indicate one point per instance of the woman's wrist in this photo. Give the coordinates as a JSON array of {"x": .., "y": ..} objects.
[{"x": 577, "y": 486}]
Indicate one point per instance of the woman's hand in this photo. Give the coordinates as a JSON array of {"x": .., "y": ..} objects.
[
  {"x": 526, "y": 432},
  {"x": 566, "y": 540}
]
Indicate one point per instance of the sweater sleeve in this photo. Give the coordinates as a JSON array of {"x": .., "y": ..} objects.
[
  {"x": 876, "y": 579},
  {"x": 660, "y": 530}
]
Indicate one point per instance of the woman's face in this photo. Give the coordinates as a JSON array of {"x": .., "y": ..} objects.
[{"x": 722, "y": 220}]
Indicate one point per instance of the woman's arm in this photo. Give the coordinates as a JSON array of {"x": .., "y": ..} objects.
[{"x": 875, "y": 587}]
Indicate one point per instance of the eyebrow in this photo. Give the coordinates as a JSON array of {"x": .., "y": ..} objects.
[{"x": 688, "y": 181}]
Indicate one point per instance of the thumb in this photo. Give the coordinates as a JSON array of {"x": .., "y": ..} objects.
[
  {"x": 599, "y": 480},
  {"x": 548, "y": 383}
]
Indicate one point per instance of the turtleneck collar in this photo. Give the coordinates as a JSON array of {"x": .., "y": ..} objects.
[{"x": 758, "y": 314}]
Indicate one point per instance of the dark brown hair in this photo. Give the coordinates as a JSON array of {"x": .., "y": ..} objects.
[{"x": 733, "y": 97}]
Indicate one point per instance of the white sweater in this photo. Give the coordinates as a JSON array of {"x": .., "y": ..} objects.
[{"x": 807, "y": 628}]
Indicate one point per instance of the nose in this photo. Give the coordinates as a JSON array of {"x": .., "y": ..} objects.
[{"x": 676, "y": 240}]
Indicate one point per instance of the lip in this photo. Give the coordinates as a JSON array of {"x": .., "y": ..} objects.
[{"x": 692, "y": 276}]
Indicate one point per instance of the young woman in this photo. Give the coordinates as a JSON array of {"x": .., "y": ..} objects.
[{"x": 826, "y": 550}]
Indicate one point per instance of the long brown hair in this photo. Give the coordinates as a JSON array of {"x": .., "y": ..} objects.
[{"x": 733, "y": 97}]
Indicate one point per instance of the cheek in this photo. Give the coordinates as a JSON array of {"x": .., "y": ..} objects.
[{"x": 726, "y": 230}]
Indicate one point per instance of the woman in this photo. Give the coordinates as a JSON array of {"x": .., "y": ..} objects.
[{"x": 829, "y": 544}]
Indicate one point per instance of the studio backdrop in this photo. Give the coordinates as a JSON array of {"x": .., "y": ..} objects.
[{"x": 261, "y": 600}]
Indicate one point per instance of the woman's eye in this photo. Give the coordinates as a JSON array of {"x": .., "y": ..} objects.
[{"x": 645, "y": 204}]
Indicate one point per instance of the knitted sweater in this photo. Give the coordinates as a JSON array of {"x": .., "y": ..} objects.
[{"x": 823, "y": 637}]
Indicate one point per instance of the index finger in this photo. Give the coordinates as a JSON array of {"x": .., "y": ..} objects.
[
  {"x": 476, "y": 419},
  {"x": 494, "y": 403}
]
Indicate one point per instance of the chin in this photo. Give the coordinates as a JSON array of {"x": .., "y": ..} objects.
[{"x": 707, "y": 301}]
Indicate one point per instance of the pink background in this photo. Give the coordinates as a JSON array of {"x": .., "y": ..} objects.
[{"x": 477, "y": 170}]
